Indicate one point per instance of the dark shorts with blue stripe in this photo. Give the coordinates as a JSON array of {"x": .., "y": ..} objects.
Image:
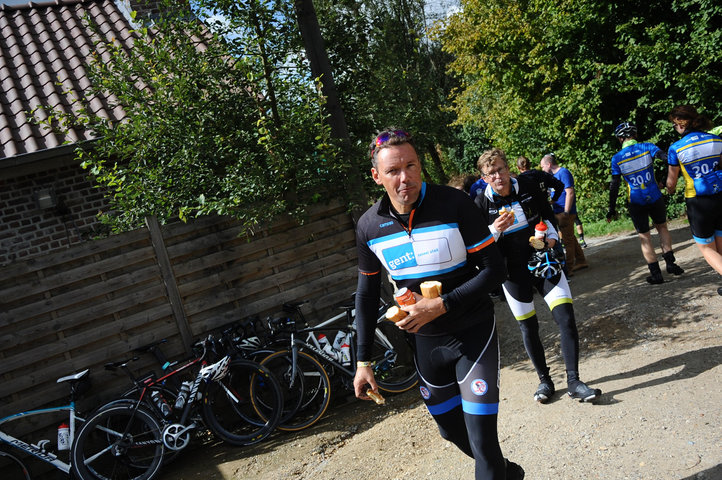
[{"x": 459, "y": 382}]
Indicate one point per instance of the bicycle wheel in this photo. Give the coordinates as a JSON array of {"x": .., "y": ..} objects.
[
  {"x": 245, "y": 406},
  {"x": 119, "y": 442},
  {"x": 309, "y": 391},
  {"x": 393, "y": 358},
  {"x": 13, "y": 467}
]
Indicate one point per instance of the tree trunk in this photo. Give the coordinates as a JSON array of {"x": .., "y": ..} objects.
[{"x": 321, "y": 68}]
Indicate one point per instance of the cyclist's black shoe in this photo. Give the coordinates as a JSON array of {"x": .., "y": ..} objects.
[
  {"x": 544, "y": 391},
  {"x": 674, "y": 269},
  {"x": 655, "y": 279},
  {"x": 514, "y": 471},
  {"x": 719, "y": 291},
  {"x": 582, "y": 392}
]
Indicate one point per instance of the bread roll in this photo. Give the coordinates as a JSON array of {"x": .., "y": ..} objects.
[
  {"x": 537, "y": 243},
  {"x": 431, "y": 289},
  {"x": 395, "y": 314},
  {"x": 376, "y": 397},
  {"x": 507, "y": 210}
]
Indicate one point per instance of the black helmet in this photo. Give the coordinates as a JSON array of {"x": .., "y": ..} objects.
[
  {"x": 544, "y": 264},
  {"x": 625, "y": 130}
]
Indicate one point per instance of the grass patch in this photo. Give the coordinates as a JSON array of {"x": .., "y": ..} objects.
[
  {"x": 601, "y": 228},
  {"x": 623, "y": 224}
]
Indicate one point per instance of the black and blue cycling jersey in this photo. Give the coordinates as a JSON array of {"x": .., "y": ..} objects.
[{"x": 444, "y": 238}]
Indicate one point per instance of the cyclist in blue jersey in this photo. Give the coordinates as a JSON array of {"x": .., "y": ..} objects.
[
  {"x": 419, "y": 232},
  {"x": 565, "y": 211},
  {"x": 635, "y": 164},
  {"x": 477, "y": 188},
  {"x": 512, "y": 234},
  {"x": 698, "y": 156}
]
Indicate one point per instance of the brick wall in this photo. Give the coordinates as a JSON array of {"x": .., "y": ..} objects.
[{"x": 27, "y": 230}]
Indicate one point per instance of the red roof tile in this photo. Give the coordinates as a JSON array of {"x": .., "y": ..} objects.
[{"x": 43, "y": 53}]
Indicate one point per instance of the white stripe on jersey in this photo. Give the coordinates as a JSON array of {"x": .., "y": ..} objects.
[{"x": 427, "y": 251}]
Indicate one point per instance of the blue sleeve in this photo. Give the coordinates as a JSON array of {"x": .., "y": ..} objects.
[
  {"x": 672, "y": 156},
  {"x": 566, "y": 177},
  {"x": 615, "y": 168}
]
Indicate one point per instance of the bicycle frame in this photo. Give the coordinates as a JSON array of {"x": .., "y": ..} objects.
[{"x": 40, "y": 451}]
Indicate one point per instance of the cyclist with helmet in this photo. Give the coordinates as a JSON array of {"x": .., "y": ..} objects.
[
  {"x": 635, "y": 163},
  {"x": 528, "y": 269},
  {"x": 698, "y": 155}
]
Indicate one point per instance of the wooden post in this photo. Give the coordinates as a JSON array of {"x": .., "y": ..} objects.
[{"x": 171, "y": 286}]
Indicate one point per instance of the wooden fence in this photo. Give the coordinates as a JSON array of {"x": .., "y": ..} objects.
[{"x": 77, "y": 309}]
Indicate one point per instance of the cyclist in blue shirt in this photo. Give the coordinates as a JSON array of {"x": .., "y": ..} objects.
[
  {"x": 565, "y": 211},
  {"x": 420, "y": 232},
  {"x": 698, "y": 155},
  {"x": 635, "y": 164}
]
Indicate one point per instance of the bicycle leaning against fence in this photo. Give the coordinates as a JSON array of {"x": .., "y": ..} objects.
[
  {"x": 305, "y": 366},
  {"x": 46, "y": 450}
]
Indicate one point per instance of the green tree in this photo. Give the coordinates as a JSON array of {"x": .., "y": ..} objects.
[
  {"x": 214, "y": 123},
  {"x": 558, "y": 75},
  {"x": 389, "y": 72}
]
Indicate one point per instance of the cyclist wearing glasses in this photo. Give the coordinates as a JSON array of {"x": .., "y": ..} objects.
[
  {"x": 635, "y": 163},
  {"x": 528, "y": 270},
  {"x": 698, "y": 155},
  {"x": 419, "y": 232}
]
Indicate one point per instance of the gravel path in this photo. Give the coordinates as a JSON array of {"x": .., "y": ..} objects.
[{"x": 655, "y": 351}]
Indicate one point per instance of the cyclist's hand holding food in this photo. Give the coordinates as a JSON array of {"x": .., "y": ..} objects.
[
  {"x": 362, "y": 381},
  {"x": 420, "y": 313},
  {"x": 504, "y": 220}
]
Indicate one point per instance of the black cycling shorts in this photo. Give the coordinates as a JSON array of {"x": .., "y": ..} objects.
[
  {"x": 460, "y": 369},
  {"x": 705, "y": 217},
  {"x": 641, "y": 214}
]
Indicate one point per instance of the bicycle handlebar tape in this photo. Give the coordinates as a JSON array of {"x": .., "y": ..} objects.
[
  {"x": 431, "y": 289},
  {"x": 395, "y": 314}
]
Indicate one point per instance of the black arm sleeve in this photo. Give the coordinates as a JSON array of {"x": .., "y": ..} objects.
[
  {"x": 614, "y": 192},
  {"x": 368, "y": 294},
  {"x": 662, "y": 155},
  {"x": 492, "y": 273}
]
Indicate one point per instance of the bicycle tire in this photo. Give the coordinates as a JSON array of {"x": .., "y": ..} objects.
[
  {"x": 314, "y": 394},
  {"x": 131, "y": 397},
  {"x": 244, "y": 407},
  {"x": 119, "y": 442},
  {"x": 393, "y": 357},
  {"x": 16, "y": 469}
]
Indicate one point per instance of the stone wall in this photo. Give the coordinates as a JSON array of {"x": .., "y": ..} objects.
[{"x": 27, "y": 229}]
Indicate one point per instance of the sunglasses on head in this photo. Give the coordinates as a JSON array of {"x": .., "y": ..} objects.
[{"x": 384, "y": 137}]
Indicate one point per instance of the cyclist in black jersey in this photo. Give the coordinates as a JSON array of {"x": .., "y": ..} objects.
[
  {"x": 512, "y": 234},
  {"x": 419, "y": 232}
]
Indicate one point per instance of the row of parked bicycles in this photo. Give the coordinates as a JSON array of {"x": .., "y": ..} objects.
[{"x": 243, "y": 383}]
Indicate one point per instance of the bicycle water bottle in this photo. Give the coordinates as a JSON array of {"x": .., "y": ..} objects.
[
  {"x": 183, "y": 395},
  {"x": 346, "y": 351},
  {"x": 160, "y": 403},
  {"x": 340, "y": 338},
  {"x": 64, "y": 436},
  {"x": 322, "y": 341}
]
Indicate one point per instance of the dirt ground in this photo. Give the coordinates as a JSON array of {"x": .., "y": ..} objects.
[{"x": 654, "y": 350}]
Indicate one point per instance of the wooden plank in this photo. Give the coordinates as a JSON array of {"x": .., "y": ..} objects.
[
  {"x": 89, "y": 293},
  {"x": 89, "y": 313},
  {"x": 92, "y": 334},
  {"x": 80, "y": 252},
  {"x": 68, "y": 277},
  {"x": 169, "y": 280}
]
